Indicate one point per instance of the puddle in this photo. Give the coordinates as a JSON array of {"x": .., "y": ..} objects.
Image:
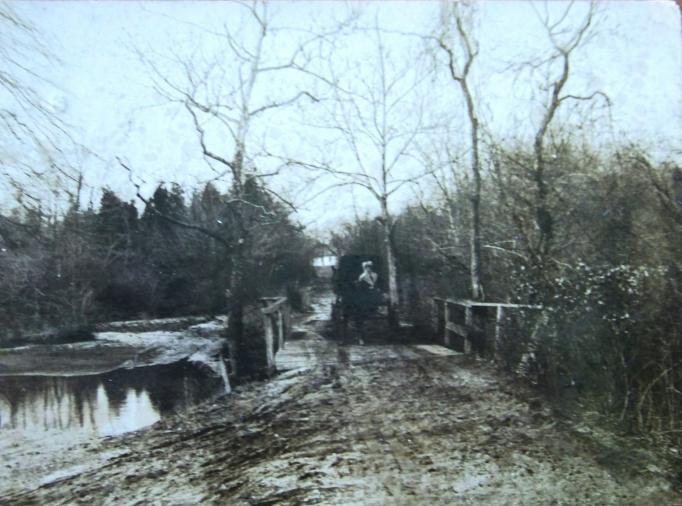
[{"x": 104, "y": 404}]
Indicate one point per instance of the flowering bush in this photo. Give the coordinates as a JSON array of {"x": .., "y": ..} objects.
[{"x": 607, "y": 329}]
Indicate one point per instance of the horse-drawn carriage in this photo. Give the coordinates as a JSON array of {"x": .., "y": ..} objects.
[{"x": 358, "y": 293}]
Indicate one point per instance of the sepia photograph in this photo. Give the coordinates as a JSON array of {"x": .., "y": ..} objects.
[{"x": 341, "y": 252}]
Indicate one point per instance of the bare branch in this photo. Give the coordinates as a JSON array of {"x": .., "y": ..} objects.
[
  {"x": 202, "y": 141},
  {"x": 587, "y": 97},
  {"x": 284, "y": 103}
]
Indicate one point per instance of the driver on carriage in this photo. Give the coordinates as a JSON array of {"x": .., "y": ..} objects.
[
  {"x": 368, "y": 276},
  {"x": 370, "y": 297}
]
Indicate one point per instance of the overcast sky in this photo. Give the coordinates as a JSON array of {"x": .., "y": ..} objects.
[{"x": 104, "y": 92}]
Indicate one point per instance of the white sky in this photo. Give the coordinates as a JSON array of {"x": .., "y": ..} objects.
[{"x": 104, "y": 91}]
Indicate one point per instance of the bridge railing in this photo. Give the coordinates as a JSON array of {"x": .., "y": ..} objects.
[
  {"x": 463, "y": 323},
  {"x": 276, "y": 314}
]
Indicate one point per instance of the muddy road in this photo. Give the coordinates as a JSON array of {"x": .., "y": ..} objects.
[{"x": 347, "y": 424}]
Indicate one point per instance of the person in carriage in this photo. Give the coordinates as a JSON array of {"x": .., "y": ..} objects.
[
  {"x": 368, "y": 276},
  {"x": 367, "y": 282}
]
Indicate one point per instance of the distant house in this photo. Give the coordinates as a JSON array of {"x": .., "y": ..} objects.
[
  {"x": 326, "y": 261},
  {"x": 323, "y": 264}
]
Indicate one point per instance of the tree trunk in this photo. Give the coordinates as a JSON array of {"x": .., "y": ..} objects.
[
  {"x": 237, "y": 272},
  {"x": 475, "y": 246},
  {"x": 461, "y": 78},
  {"x": 236, "y": 308},
  {"x": 393, "y": 297},
  {"x": 543, "y": 217}
]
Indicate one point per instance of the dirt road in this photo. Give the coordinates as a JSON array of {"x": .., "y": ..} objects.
[{"x": 398, "y": 424}]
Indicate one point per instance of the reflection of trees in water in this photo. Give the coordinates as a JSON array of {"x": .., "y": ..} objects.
[
  {"x": 45, "y": 402},
  {"x": 172, "y": 387},
  {"x": 5, "y": 410},
  {"x": 116, "y": 389},
  {"x": 84, "y": 391}
]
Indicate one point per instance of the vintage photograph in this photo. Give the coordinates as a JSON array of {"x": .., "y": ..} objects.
[{"x": 378, "y": 252}]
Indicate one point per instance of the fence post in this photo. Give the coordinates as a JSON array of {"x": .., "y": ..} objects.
[
  {"x": 435, "y": 316},
  {"x": 280, "y": 329},
  {"x": 446, "y": 321},
  {"x": 499, "y": 319},
  {"x": 269, "y": 342},
  {"x": 287, "y": 323},
  {"x": 277, "y": 323},
  {"x": 469, "y": 324}
]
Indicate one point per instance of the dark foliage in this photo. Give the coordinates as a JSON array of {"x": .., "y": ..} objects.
[{"x": 113, "y": 263}]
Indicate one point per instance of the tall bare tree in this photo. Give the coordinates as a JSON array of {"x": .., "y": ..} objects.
[
  {"x": 245, "y": 74},
  {"x": 461, "y": 50},
  {"x": 566, "y": 33},
  {"x": 374, "y": 119}
]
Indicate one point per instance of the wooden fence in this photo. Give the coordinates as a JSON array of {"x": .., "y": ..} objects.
[
  {"x": 463, "y": 323},
  {"x": 276, "y": 314}
]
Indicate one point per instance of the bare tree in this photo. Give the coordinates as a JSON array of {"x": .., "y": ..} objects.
[
  {"x": 374, "y": 119},
  {"x": 36, "y": 144},
  {"x": 244, "y": 77},
  {"x": 461, "y": 51},
  {"x": 554, "y": 71}
]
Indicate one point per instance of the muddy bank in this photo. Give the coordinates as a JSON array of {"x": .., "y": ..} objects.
[
  {"x": 115, "y": 345},
  {"x": 169, "y": 324},
  {"x": 412, "y": 428},
  {"x": 86, "y": 332},
  {"x": 66, "y": 359},
  {"x": 113, "y": 350}
]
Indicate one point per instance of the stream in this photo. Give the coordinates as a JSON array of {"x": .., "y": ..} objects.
[{"x": 106, "y": 404}]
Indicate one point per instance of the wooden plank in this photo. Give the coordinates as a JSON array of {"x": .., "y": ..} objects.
[
  {"x": 463, "y": 330},
  {"x": 273, "y": 304},
  {"x": 458, "y": 329},
  {"x": 491, "y": 304},
  {"x": 473, "y": 303}
]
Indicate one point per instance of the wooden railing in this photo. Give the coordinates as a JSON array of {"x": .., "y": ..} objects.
[
  {"x": 276, "y": 314},
  {"x": 460, "y": 322}
]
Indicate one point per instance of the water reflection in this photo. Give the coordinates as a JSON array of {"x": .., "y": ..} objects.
[{"x": 105, "y": 404}]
